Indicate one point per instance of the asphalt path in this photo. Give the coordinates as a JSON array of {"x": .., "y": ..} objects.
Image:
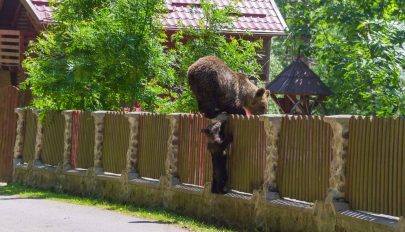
[{"x": 38, "y": 215}]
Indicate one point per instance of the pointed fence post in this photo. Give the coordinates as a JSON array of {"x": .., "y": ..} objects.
[
  {"x": 340, "y": 141},
  {"x": 272, "y": 127},
  {"x": 132, "y": 154},
  {"x": 19, "y": 141},
  {"x": 173, "y": 150},
  {"x": 98, "y": 142}
]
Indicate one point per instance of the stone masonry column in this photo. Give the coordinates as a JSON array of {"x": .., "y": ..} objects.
[
  {"x": 98, "y": 143},
  {"x": 272, "y": 127},
  {"x": 132, "y": 153},
  {"x": 337, "y": 179},
  {"x": 67, "y": 152},
  {"x": 173, "y": 149},
  {"x": 19, "y": 141},
  {"x": 39, "y": 141}
]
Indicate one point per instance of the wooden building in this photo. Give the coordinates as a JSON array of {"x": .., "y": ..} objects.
[{"x": 22, "y": 20}]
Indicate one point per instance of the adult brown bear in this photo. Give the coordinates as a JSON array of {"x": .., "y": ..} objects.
[{"x": 219, "y": 89}]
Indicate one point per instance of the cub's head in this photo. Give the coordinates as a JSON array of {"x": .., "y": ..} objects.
[
  {"x": 259, "y": 103},
  {"x": 213, "y": 133}
]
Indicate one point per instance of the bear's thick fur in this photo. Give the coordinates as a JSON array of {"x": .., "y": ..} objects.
[
  {"x": 219, "y": 89},
  {"x": 217, "y": 142}
]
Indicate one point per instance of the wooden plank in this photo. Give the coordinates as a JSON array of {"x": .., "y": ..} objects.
[
  {"x": 15, "y": 54},
  {"x": 356, "y": 163},
  {"x": 401, "y": 153},
  {"x": 9, "y": 32},
  {"x": 374, "y": 160},
  {"x": 368, "y": 162},
  {"x": 391, "y": 168},
  {"x": 10, "y": 61},
  {"x": 11, "y": 47},
  {"x": 10, "y": 40},
  {"x": 396, "y": 196}
]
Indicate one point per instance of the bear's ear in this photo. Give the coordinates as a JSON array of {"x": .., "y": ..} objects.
[
  {"x": 260, "y": 92},
  {"x": 267, "y": 93}
]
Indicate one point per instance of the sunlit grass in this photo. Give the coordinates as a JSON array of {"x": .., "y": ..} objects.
[{"x": 152, "y": 213}]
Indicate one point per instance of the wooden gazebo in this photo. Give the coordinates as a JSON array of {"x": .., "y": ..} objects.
[{"x": 301, "y": 89}]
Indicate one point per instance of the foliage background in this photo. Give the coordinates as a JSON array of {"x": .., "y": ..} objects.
[
  {"x": 111, "y": 54},
  {"x": 356, "y": 46}
]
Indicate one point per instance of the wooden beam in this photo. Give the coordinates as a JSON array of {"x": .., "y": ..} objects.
[
  {"x": 16, "y": 15},
  {"x": 9, "y": 47},
  {"x": 267, "y": 53}
]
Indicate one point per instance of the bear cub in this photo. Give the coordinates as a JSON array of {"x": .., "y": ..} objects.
[
  {"x": 219, "y": 89},
  {"x": 217, "y": 142}
]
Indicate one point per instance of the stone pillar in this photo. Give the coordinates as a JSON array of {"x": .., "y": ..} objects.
[
  {"x": 272, "y": 127},
  {"x": 19, "y": 141},
  {"x": 98, "y": 143},
  {"x": 67, "y": 153},
  {"x": 132, "y": 154},
  {"x": 340, "y": 128},
  {"x": 39, "y": 140},
  {"x": 400, "y": 226},
  {"x": 173, "y": 149}
]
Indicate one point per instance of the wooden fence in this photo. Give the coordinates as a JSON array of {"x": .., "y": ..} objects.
[
  {"x": 304, "y": 158},
  {"x": 374, "y": 168},
  {"x": 116, "y": 142},
  {"x": 193, "y": 162},
  {"x": 247, "y": 157},
  {"x": 9, "y": 100},
  {"x": 82, "y": 140},
  {"x": 376, "y": 165},
  {"x": 30, "y": 129},
  {"x": 152, "y": 145},
  {"x": 54, "y": 127}
]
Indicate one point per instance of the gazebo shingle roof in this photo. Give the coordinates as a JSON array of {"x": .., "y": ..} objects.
[{"x": 298, "y": 79}]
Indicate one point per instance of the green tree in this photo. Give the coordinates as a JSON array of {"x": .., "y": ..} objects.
[
  {"x": 100, "y": 54},
  {"x": 208, "y": 38},
  {"x": 357, "y": 47}
]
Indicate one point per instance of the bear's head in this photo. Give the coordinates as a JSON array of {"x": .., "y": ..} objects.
[{"x": 259, "y": 103}]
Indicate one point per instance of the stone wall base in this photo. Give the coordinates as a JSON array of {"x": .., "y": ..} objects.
[{"x": 245, "y": 212}]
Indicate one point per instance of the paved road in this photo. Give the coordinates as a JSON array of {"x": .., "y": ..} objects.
[{"x": 36, "y": 215}]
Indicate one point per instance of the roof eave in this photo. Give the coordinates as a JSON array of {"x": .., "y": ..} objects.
[
  {"x": 236, "y": 32},
  {"x": 279, "y": 16}
]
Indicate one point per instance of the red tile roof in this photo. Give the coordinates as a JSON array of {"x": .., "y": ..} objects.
[
  {"x": 41, "y": 10},
  {"x": 260, "y": 17}
]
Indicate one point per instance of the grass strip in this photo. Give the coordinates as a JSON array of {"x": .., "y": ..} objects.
[{"x": 151, "y": 213}]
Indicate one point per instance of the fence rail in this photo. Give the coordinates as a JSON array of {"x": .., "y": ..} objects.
[{"x": 373, "y": 147}]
